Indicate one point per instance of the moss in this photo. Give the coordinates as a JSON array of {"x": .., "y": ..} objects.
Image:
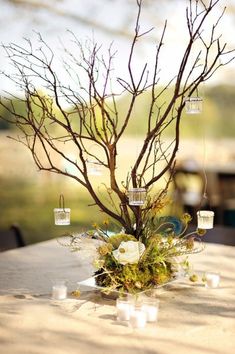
[
  {"x": 133, "y": 277},
  {"x": 115, "y": 240}
]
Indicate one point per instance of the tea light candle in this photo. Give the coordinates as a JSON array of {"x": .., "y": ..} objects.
[
  {"x": 150, "y": 307},
  {"x": 124, "y": 308},
  {"x": 193, "y": 105},
  {"x": 138, "y": 318},
  {"x": 137, "y": 196},
  {"x": 205, "y": 219},
  {"x": 93, "y": 168},
  {"x": 62, "y": 216},
  {"x": 59, "y": 291},
  {"x": 212, "y": 280}
]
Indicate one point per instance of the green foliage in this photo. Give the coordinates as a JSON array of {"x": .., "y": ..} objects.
[
  {"x": 216, "y": 119},
  {"x": 8, "y": 117},
  {"x": 31, "y": 204}
]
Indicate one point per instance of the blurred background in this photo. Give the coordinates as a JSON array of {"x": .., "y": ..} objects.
[{"x": 206, "y": 159}]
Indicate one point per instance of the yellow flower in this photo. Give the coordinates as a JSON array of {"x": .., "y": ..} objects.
[
  {"x": 98, "y": 263},
  {"x": 104, "y": 249},
  {"x": 186, "y": 218},
  {"x": 157, "y": 238},
  {"x": 76, "y": 293},
  {"x": 106, "y": 222},
  {"x": 189, "y": 243},
  {"x": 201, "y": 232},
  {"x": 193, "y": 278},
  {"x": 95, "y": 225},
  {"x": 158, "y": 205}
]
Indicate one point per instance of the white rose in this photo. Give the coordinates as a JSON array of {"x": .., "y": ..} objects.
[{"x": 129, "y": 252}]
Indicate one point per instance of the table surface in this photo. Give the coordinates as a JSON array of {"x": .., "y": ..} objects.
[{"x": 192, "y": 318}]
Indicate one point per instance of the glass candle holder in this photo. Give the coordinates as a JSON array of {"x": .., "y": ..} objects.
[
  {"x": 151, "y": 307},
  {"x": 138, "y": 317},
  {"x": 62, "y": 216},
  {"x": 93, "y": 168},
  {"x": 212, "y": 280},
  {"x": 59, "y": 290},
  {"x": 124, "y": 307},
  {"x": 193, "y": 105},
  {"x": 205, "y": 219},
  {"x": 137, "y": 196}
]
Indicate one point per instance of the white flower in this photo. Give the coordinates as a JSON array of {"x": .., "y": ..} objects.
[{"x": 129, "y": 252}]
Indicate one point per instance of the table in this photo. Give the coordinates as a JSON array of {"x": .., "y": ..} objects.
[{"x": 192, "y": 319}]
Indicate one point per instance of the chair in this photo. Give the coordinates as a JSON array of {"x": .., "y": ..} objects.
[
  {"x": 188, "y": 188},
  {"x": 11, "y": 238},
  {"x": 227, "y": 192},
  {"x": 189, "y": 182}
]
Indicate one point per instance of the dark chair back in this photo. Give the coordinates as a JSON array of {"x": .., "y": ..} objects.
[
  {"x": 11, "y": 238},
  {"x": 221, "y": 234}
]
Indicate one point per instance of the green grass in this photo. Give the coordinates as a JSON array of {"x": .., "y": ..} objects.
[{"x": 31, "y": 206}]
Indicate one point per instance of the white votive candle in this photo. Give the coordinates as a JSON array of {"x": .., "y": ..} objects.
[
  {"x": 59, "y": 292},
  {"x": 124, "y": 308},
  {"x": 150, "y": 307},
  {"x": 212, "y": 280},
  {"x": 138, "y": 318},
  {"x": 205, "y": 219}
]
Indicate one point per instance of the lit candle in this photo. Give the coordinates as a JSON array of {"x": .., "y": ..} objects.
[
  {"x": 150, "y": 307},
  {"x": 124, "y": 308},
  {"x": 212, "y": 280},
  {"x": 59, "y": 291},
  {"x": 138, "y": 318},
  {"x": 205, "y": 219}
]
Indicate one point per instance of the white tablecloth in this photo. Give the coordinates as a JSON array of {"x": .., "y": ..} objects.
[{"x": 192, "y": 319}]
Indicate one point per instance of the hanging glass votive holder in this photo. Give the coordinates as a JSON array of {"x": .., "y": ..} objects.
[
  {"x": 137, "y": 196},
  {"x": 205, "y": 219},
  {"x": 94, "y": 168},
  {"x": 193, "y": 105},
  {"x": 62, "y": 214}
]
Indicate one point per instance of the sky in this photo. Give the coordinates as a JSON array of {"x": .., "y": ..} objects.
[{"x": 17, "y": 23}]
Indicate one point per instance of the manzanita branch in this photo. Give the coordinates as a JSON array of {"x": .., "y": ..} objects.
[{"x": 93, "y": 117}]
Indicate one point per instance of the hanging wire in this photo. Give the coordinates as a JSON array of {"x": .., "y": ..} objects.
[
  {"x": 205, "y": 178},
  {"x": 61, "y": 202}
]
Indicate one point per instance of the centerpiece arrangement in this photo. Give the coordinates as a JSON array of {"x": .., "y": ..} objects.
[
  {"x": 128, "y": 264},
  {"x": 85, "y": 117}
]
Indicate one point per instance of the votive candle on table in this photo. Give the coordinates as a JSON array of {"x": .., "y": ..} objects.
[
  {"x": 150, "y": 307},
  {"x": 59, "y": 290},
  {"x": 138, "y": 317},
  {"x": 124, "y": 308},
  {"x": 205, "y": 219},
  {"x": 212, "y": 280}
]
